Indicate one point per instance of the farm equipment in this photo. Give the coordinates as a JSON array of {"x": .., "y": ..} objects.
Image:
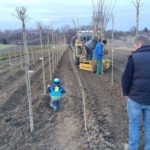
[
  {"x": 87, "y": 65},
  {"x": 79, "y": 50},
  {"x": 90, "y": 65},
  {"x": 79, "y": 54}
]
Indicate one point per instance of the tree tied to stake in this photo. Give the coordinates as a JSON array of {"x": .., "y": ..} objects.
[
  {"x": 102, "y": 13},
  {"x": 137, "y": 4},
  {"x": 23, "y": 17}
]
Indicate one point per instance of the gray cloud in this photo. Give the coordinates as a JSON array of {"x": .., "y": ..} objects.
[{"x": 61, "y": 12}]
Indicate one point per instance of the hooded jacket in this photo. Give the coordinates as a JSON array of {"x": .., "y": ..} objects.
[
  {"x": 98, "y": 51},
  {"x": 55, "y": 90}
]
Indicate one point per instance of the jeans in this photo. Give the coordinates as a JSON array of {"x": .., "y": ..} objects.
[
  {"x": 54, "y": 103},
  {"x": 89, "y": 53},
  {"x": 134, "y": 110}
]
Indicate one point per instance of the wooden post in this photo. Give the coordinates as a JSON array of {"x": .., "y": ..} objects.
[
  {"x": 57, "y": 58},
  {"x": 53, "y": 68},
  {"x": 49, "y": 55},
  {"x": 0, "y": 57},
  {"x": 37, "y": 57},
  {"x": 55, "y": 63},
  {"x": 112, "y": 51},
  {"x": 21, "y": 62},
  {"x": 52, "y": 38},
  {"x": 10, "y": 63},
  {"x": 28, "y": 81},
  {"x": 84, "y": 109},
  {"x": 44, "y": 85},
  {"x": 33, "y": 57}
]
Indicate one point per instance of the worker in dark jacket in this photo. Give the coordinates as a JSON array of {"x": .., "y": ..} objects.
[
  {"x": 136, "y": 86},
  {"x": 89, "y": 46}
]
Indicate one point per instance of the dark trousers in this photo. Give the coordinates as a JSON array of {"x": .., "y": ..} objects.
[
  {"x": 89, "y": 53},
  {"x": 56, "y": 103},
  {"x": 99, "y": 67}
]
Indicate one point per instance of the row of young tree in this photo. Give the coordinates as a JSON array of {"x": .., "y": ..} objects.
[
  {"x": 101, "y": 16},
  {"x": 21, "y": 14}
]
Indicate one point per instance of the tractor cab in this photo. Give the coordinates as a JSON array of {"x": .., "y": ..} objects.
[
  {"x": 82, "y": 37},
  {"x": 85, "y": 36},
  {"x": 80, "y": 53}
]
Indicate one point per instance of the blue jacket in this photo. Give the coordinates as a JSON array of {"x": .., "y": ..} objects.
[
  {"x": 55, "y": 90},
  {"x": 98, "y": 51},
  {"x": 136, "y": 77}
]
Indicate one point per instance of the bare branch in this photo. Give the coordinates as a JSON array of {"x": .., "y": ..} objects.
[
  {"x": 21, "y": 14},
  {"x": 110, "y": 13},
  {"x": 102, "y": 13},
  {"x": 134, "y": 3},
  {"x": 137, "y": 4}
]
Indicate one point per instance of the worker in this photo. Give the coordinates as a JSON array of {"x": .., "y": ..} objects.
[
  {"x": 89, "y": 46},
  {"x": 56, "y": 90},
  {"x": 98, "y": 56}
]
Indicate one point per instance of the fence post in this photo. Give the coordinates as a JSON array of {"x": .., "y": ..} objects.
[
  {"x": 49, "y": 55},
  {"x": 21, "y": 62},
  {"x": 43, "y": 68},
  {"x": 53, "y": 65},
  {"x": 33, "y": 57},
  {"x": 112, "y": 51},
  {"x": 84, "y": 109}
]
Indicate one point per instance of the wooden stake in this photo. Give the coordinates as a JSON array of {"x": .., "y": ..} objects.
[
  {"x": 43, "y": 68},
  {"x": 10, "y": 63},
  {"x": 28, "y": 81},
  {"x": 112, "y": 71},
  {"x": 21, "y": 62},
  {"x": 84, "y": 109},
  {"x": 49, "y": 59}
]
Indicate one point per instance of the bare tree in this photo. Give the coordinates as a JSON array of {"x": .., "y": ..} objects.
[
  {"x": 137, "y": 4},
  {"x": 22, "y": 16},
  {"x": 102, "y": 13}
]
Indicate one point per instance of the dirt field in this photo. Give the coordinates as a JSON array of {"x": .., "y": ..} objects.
[{"x": 64, "y": 129}]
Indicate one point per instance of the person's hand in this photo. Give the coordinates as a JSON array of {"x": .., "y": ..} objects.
[{"x": 48, "y": 85}]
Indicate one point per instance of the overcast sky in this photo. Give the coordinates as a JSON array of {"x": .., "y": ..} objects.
[{"x": 57, "y": 13}]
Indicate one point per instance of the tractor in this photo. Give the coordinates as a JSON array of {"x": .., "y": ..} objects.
[{"x": 79, "y": 54}]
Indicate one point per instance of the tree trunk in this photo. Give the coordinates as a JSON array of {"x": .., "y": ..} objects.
[
  {"x": 28, "y": 81},
  {"x": 137, "y": 21},
  {"x": 44, "y": 85}
]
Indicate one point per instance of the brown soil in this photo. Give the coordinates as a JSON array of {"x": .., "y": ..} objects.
[{"x": 64, "y": 129}]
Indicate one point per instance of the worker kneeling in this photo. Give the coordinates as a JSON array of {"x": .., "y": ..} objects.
[{"x": 56, "y": 90}]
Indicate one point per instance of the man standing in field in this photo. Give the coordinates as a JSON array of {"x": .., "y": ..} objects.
[
  {"x": 98, "y": 56},
  {"x": 136, "y": 86}
]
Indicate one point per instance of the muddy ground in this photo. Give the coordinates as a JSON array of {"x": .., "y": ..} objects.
[{"x": 63, "y": 130}]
